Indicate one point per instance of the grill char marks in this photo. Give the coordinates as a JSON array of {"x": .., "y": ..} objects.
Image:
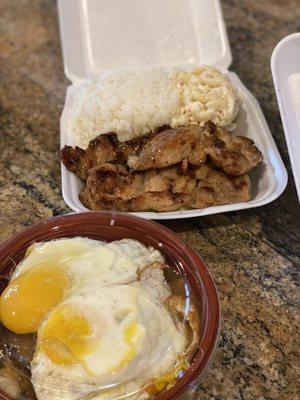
[
  {"x": 235, "y": 155},
  {"x": 190, "y": 167},
  {"x": 108, "y": 188},
  {"x": 104, "y": 148},
  {"x": 194, "y": 144}
]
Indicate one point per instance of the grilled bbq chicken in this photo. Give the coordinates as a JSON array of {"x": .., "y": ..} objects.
[
  {"x": 170, "y": 169},
  {"x": 111, "y": 187}
]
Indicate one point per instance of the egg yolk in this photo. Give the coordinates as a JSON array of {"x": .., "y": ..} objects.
[
  {"x": 131, "y": 335},
  {"x": 66, "y": 336},
  {"x": 30, "y": 296}
]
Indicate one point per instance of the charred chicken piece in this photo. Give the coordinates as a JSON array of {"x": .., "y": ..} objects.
[
  {"x": 111, "y": 187},
  {"x": 170, "y": 147},
  {"x": 193, "y": 144},
  {"x": 99, "y": 151},
  {"x": 104, "y": 148},
  {"x": 235, "y": 155},
  {"x": 216, "y": 188}
]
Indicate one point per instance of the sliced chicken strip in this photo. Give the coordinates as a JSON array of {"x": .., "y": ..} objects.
[
  {"x": 111, "y": 187},
  {"x": 186, "y": 145},
  {"x": 170, "y": 147},
  {"x": 193, "y": 144},
  {"x": 79, "y": 161},
  {"x": 216, "y": 188},
  {"x": 104, "y": 148},
  {"x": 235, "y": 155}
]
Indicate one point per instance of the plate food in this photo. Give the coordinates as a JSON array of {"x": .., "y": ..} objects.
[
  {"x": 172, "y": 149},
  {"x": 192, "y": 35}
]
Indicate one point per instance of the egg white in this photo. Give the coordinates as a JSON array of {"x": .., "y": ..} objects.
[
  {"x": 157, "y": 346},
  {"x": 88, "y": 261}
]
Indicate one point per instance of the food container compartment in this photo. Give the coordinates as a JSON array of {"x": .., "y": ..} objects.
[
  {"x": 179, "y": 256},
  {"x": 191, "y": 35}
]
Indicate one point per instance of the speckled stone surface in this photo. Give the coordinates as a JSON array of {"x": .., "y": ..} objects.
[{"x": 253, "y": 255}]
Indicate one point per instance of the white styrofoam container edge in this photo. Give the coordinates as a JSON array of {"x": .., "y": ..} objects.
[
  {"x": 288, "y": 49},
  {"x": 78, "y": 34}
]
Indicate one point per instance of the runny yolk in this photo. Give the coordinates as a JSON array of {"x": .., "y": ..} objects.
[
  {"x": 30, "y": 296},
  {"x": 132, "y": 334},
  {"x": 66, "y": 336}
]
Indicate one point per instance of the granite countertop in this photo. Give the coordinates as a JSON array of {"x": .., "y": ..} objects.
[{"x": 253, "y": 255}]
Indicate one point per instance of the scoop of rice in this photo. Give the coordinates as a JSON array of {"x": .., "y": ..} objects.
[
  {"x": 131, "y": 104},
  {"x": 134, "y": 103}
]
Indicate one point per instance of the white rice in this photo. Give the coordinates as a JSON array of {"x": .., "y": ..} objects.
[{"x": 133, "y": 103}]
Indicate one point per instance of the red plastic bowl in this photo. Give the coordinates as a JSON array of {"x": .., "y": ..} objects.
[{"x": 180, "y": 256}]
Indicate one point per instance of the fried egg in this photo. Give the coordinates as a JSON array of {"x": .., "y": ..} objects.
[
  {"x": 96, "y": 342},
  {"x": 52, "y": 270},
  {"x": 101, "y": 332},
  {"x": 102, "y": 327}
]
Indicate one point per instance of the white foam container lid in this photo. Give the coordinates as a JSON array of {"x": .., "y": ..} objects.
[
  {"x": 102, "y": 35},
  {"x": 285, "y": 64}
]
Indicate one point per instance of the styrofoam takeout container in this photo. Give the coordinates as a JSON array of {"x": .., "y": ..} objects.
[
  {"x": 288, "y": 95},
  {"x": 102, "y": 35}
]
